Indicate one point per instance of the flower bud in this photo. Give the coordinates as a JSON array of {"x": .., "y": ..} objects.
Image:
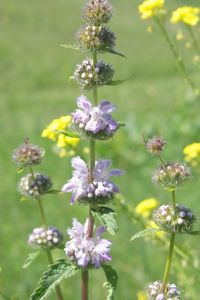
[
  {"x": 97, "y": 12},
  {"x": 28, "y": 155},
  {"x": 94, "y": 39},
  {"x": 171, "y": 176},
  {"x": 98, "y": 74},
  {"x": 33, "y": 187},
  {"x": 179, "y": 221},
  {"x": 155, "y": 145},
  {"x": 153, "y": 292},
  {"x": 45, "y": 239}
]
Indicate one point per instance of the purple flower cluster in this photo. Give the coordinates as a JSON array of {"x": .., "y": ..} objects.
[
  {"x": 86, "y": 251},
  {"x": 45, "y": 239},
  {"x": 100, "y": 191},
  {"x": 153, "y": 292},
  {"x": 94, "y": 121}
]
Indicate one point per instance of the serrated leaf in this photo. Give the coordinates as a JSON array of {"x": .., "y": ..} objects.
[
  {"x": 74, "y": 47},
  {"x": 146, "y": 232},
  {"x": 111, "y": 283},
  {"x": 51, "y": 278},
  {"x": 54, "y": 192},
  {"x": 67, "y": 133},
  {"x": 24, "y": 198},
  {"x": 106, "y": 217},
  {"x": 197, "y": 232},
  {"x": 31, "y": 258},
  {"x": 116, "y": 82},
  {"x": 116, "y": 53}
]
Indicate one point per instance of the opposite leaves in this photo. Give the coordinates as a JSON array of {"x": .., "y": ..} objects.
[{"x": 51, "y": 278}]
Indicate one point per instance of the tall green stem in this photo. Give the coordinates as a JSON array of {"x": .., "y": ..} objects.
[
  {"x": 44, "y": 224},
  {"x": 176, "y": 55},
  {"x": 84, "y": 274},
  {"x": 171, "y": 250}
]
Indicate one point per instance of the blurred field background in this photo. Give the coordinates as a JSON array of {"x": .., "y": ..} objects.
[{"x": 34, "y": 90}]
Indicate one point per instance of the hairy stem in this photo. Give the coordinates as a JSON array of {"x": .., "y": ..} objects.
[{"x": 171, "y": 250}]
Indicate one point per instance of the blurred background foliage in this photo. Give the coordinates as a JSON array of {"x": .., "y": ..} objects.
[{"x": 34, "y": 90}]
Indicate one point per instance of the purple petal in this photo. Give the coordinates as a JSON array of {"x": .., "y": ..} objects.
[
  {"x": 73, "y": 198},
  {"x": 68, "y": 187},
  {"x": 108, "y": 108},
  {"x": 92, "y": 126},
  {"x": 115, "y": 172},
  {"x": 103, "y": 103},
  {"x": 78, "y": 163},
  {"x": 84, "y": 103},
  {"x": 99, "y": 231},
  {"x": 100, "y": 168}
]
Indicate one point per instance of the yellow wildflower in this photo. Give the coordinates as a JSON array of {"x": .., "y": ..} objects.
[
  {"x": 146, "y": 206},
  {"x": 150, "y": 29},
  {"x": 150, "y": 8},
  {"x": 196, "y": 58},
  {"x": 62, "y": 140},
  {"x": 186, "y": 14},
  {"x": 140, "y": 295},
  {"x": 192, "y": 154},
  {"x": 153, "y": 225}
]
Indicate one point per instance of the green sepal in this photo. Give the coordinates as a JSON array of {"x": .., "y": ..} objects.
[
  {"x": 106, "y": 218},
  {"x": 19, "y": 170},
  {"x": 31, "y": 258},
  {"x": 196, "y": 232},
  {"x": 51, "y": 278},
  {"x": 24, "y": 198},
  {"x": 71, "y": 78},
  {"x": 111, "y": 284},
  {"x": 54, "y": 192},
  {"x": 116, "y": 53},
  {"x": 121, "y": 124},
  {"x": 73, "y": 47},
  {"x": 69, "y": 134},
  {"x": 116, "y": 82},
  {"x": 146, "y": 232}
]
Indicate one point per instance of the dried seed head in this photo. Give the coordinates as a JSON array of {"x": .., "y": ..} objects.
[
  {"x": 33, "y": 187},
  {"x": 28, "y": 155},
  {"x": 155, "y": 145},
  {"x": 171, "y": 176},
  {"x": 92, "y": 39},
  {"x": 91, "y": 76},
  {"x": 45, "y": 239},
  {"x": 97, "y": 12},
  {"x": 179, "y": 221},
  {"x": 153, "y": 292}
]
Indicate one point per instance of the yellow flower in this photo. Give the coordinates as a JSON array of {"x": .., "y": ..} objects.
[
  {"x": 192, "y": 154},
  {"x": 145, "y": 207},
  {"x": 153, "y": 225},
  {"x": 186, "y": 14},
  {"x": 179, "y": 36},
  {"x": 140, "y": 295},
  {"x": 150, "y": 8},
  {"x": 62, "y": 140}
]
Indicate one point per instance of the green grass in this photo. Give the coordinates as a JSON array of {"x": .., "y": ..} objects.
[{"x": 34, "y": 90}]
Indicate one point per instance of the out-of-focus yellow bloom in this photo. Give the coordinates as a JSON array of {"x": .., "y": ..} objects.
[
  {"x": 150, "y": 29},
  {"x": 192, "y": 154},
  {"x": 140, "y": 295},
  {"x": 153, "y": 225},
  {"x": 145, "y": 207},
  {"x": 150, "y": 8},
  {"x": 62, "y": 140},
  {"x": 186, "y": 14},
  {"x": 179, "y": 36},
  {"x": 188, "y": 45},
  {"x": 86, "y": 150},
  {"x": 196, "y": 58}
]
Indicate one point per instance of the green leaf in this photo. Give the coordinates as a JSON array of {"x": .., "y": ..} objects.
[
  {"x": 116, "y": 53},
  {"x": 111, "y": 283},
  {"x": 106, "y": 217},
  {"x": 51, "y": 278},
  {"x": 54, "y": 192},
  {"x": 146, "y": 232},
  {"x": 24, "y": 198},
  {"x": 74, "y": 47},
  {"x": 71, "y": 78},
  {"x": 116, "y": 82},
  {"x": 31, "y": 258},
  {"x": 19, "y": 170},
  {"x": 121, "y": 124},
  {"x": 67, "y": 133},
  {"x": 197, "y": 232}
]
